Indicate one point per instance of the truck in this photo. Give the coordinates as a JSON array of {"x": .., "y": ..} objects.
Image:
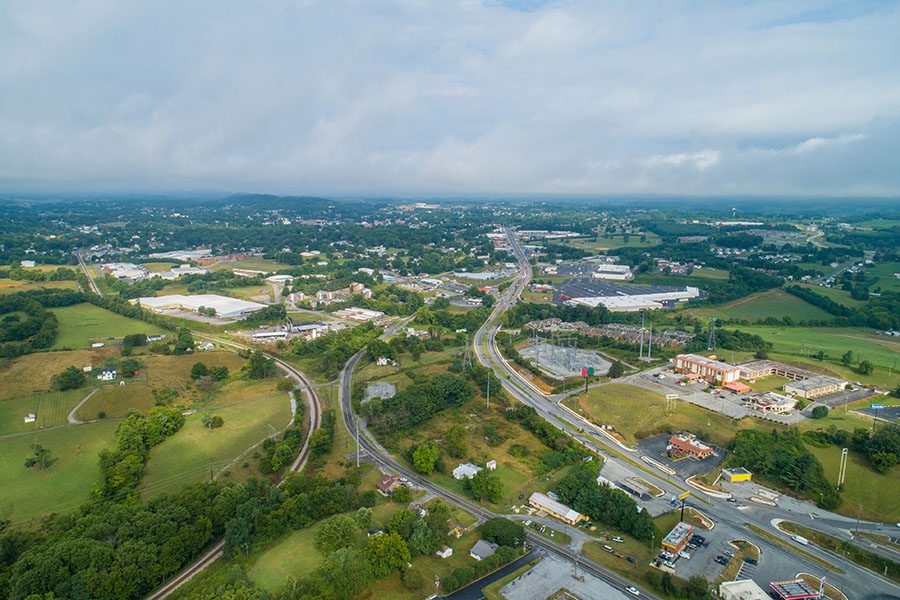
[{"x": 800, "y": 539}]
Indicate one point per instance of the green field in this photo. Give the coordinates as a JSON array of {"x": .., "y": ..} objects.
[
  {"x": 756, "y": 307},
  {"x": 81, "y": 324},
  {"x": 253, "y": 263},
  {"x": 880, "y": 350},
  {"x": 32, "y": 494},
  {"x": 838, "y": 295},
  {"x": 884, "y": 274},
  {"x": 51, "y": 408},
  {"x": 636, "y": 413},
  {"x": 610, "y": 242},
  {"x": 12, "y": 286},
  {"x": 876, "y": 496},
  {"x": 250, "y": 411}
]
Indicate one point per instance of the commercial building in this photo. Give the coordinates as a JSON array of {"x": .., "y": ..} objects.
[
  {"x": 794, "y": 589},
  {"x": 736, "y": 475},
  {"x": 178, "y": 271},
  {"x": 742, "y": 589},
  {"x": 621, "y": 297},
  {"x": 226, "y": 308},
  {"x": 558, "y": 510},
  {"x": 815, "y": 386},
  {"x": 687, "y": 444},
  {"x": 125, "y": 271},
  {"x": 755, "y": 369},
  {"x": 770, "y": 402},
  {"x": 709, "y": 369},
  {"x": 358, "y": 314},
  {"x": 677, "y": 539}
]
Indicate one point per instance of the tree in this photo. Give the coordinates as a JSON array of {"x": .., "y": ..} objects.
[
  {"x": 424, "y": 458},
  {"x": 761, "y": 354},
  {"x": 363, "y": 517},
  {"x": 387, "y": 554},
  {"x": 820, "y": 412},
  {"x": 285, "y": 385},
  {"x": 70, "y": 379},
  {"x": 184, "y": 342},
  {"x": 282, "y": 455},
  {"x": 199, "y": 370},
  {"x": 40, "y": 458},
  {"x": 455, "y": 440},
  {"x": 401, "y": 494},
  {"x": 616, "y": 370},
  {"x": 260, "y": 367},
  {"x": 485, "y": 485},
  {"x": 865, "y": 368},
  {"x": 847, "y": 358},
  {"x": 212, "y": 421},
  {"x": 335, "y": 533},
  {"x": 412, "y": 579},
  {"x": 503, "y": 532}
]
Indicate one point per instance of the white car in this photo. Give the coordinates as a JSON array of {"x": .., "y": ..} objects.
[
  {"x": 528, "y": 523},
  {"x": 632, "y": 590}
]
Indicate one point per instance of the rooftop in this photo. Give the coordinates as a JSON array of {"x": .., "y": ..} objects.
[
  {"x": 558, "y": 508},
  {"x": 815, "y": 382},
  {"x": 678, "y": 534}
]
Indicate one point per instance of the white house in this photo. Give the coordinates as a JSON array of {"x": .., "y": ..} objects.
[
  {"x": 107, "y": 375},
  {"x": 445, "y": 552},
  {"x": 465, "y": 471}
]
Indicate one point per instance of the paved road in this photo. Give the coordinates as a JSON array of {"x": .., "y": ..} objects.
[{"x": 775, "y": 562}]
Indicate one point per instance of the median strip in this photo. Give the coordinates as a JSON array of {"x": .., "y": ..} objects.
[{"x": 793, "y": 549}]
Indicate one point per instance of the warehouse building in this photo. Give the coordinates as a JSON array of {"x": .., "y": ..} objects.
[
  {"x": 815, "y": 386},
  {"x": 622, "y": 297},
  {"x": 709, "y": 369},
  {"x": 225, "y": 307},
  {"x": 558, "y": 510}
]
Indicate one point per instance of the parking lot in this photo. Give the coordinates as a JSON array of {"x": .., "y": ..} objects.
[
  {"x": 702, "y": 559},
  {"x": 655, "y": 447}
]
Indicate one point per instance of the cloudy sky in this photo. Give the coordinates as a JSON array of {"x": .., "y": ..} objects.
[{"x": 451, "y": 96}]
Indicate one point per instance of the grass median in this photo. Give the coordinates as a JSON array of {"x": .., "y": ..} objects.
[{"x": 794, "y": 549}]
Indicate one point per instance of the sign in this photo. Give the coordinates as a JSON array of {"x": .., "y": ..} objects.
[
  {"x": 584, "y": 372},
  {"x": 590, "y": 370},
  {"x": 684, "y": 495},
  {"x": 876, "y": 406}
]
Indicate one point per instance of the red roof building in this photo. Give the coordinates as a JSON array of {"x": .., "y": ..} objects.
[{"x": 686, "y": 444}]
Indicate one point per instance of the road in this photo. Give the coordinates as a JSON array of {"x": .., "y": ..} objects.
[
  {"x": 87, "y": 273},
  {"x": 776, "y": 562},
  {"x": 379, "y": 454}
]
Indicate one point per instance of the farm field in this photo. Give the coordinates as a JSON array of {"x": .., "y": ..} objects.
[
  {"x": 885, "y": 276},
  {"x": 51, "y": 408},
  {"x": 12, "y": 286},
  {"x": 636, "y": 413},
  {"x": 31, "y": 374},
  {"x": 251, "y": 411},
  {"x": 81, "y": 324},
  {"x": 771, "y": 303},
  {"x": 32, "y": 494},
  {"x": 254, "y": 263},
  {"x": 611, "y": 242}
]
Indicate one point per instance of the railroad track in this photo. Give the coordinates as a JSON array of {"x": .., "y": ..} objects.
[{"x": 315, "y": 416}]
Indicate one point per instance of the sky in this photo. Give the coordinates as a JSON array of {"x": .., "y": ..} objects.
[{"x": 406, "y": 97}]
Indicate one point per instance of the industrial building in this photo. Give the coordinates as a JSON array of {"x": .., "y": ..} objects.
[
  {"x": 558, "y": 510},
  {"x": 815, "y": 386},
  {"x": 620, "y": 297},
  {"x": 226, "y": 308},
  {"x": 709, "y": 369},
  {"x": 358, "y": 314},
  {"x": 677, "y": 539}
]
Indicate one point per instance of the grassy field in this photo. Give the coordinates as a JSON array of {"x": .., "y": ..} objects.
[
  {"x": 32, "y": 494},
  {"x": 838, "y": 295},
  {"x": 250, "y": 409},
  {"x": 51, "y": 408},
  {"x": 12, "y": 286},
  {"x": 31, "y": 374},
  {"x": 884, "y": 274},
  {"x": 610, "y": 242},
  {"x": 865, "y": 492},
  {"x": 756, "y": 307},
  {"x": 254, "y": 263},
  {"x": 636, "y": 412},
  {"x": 81, "y": 324},
  {"x": 880, "y": 350}
]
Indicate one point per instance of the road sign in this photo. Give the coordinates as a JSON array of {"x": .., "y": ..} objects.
[
  {"x": 590, "y": 370},
  {"x": 876, "y": 406},
  {"x": 584, "y": 372},
  {"x": 684, "y": 495}
]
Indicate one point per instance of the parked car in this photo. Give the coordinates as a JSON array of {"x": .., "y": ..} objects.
[
  {"x": 732, "y": 500},
  {"x": 685, "y": 555},
  {"x": 750, "y": 561},
  {"x": 728, "y": 553},
  {"x": 552, "y": 533},
  {"x": 618, "y": 539},
  {"x": 721, "y": 560},
  {"x": 528, "y": 522},
  {"x": 543, "y": 528}
]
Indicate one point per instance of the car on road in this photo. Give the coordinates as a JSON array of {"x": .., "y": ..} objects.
[
  {"x": 721, "y": 560},
  {"x": 632, "y": 590},
  {"x": 732, "y": 500}
]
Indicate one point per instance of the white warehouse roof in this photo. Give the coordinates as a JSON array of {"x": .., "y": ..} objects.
[{"x": 225, "y": 307}]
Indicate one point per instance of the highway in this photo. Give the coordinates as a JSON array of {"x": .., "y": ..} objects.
[{"x": 776, "y": 562}]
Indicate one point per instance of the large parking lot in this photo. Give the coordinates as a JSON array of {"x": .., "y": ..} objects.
[{"x": 655, "y": 447}]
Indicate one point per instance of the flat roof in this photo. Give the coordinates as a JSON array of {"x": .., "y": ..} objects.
[
  {"x": 678, "y": 534},
  {"x": 794, "y": 589},
  {"x": 708, "y": 362},
  {"x": 545, "y": 501},
  {"x": 222, "y": 304},
  {"x": 737, "y": 471},
  {"x": 587, "y": 288},
  {"x": 814, "y": 383}
]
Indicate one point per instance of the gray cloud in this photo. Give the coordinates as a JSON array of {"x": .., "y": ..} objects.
[{"x": 445, "y": 97}]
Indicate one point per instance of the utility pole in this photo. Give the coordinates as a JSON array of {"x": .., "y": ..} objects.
[
  {"x": 357, "y": 442},
  {"x": 842, "y": 470},
  {"x": 650, "y": 341},
  {"x": 641, "y": 355},
  {"x": 489, "y": 391}
]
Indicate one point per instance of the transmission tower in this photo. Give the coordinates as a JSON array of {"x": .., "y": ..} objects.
[
  {"x": 467, "y": 357},
  {"x": 711, "y": 343}
]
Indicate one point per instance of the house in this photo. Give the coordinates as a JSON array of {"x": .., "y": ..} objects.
[
  {"x": 27, "y": 264},
  {"x": 30, "y": 418},
  {"x": 491, "y": 465},
  {"x": 383, "y": 361},
  {"x": 87, "y": 369},
  {"x": 375, "y": 532},
  {"x": 387, "y": 484},
  {"x": 483, "y": 549},
  {"x": 465, "y": 471},
  {"x": 206, "y": 346},
  {"x": 356, "y": 287},
  {"x": 280, "y": 279},
  {"x": 445, "y": 552},
  {"x": 155, "y": 338}
]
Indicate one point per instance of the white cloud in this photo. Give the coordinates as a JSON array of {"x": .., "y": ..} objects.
[{"x": 429, "y": 96}]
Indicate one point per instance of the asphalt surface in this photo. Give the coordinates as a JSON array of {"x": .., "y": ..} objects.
[{"x": 776, "y": 562}]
